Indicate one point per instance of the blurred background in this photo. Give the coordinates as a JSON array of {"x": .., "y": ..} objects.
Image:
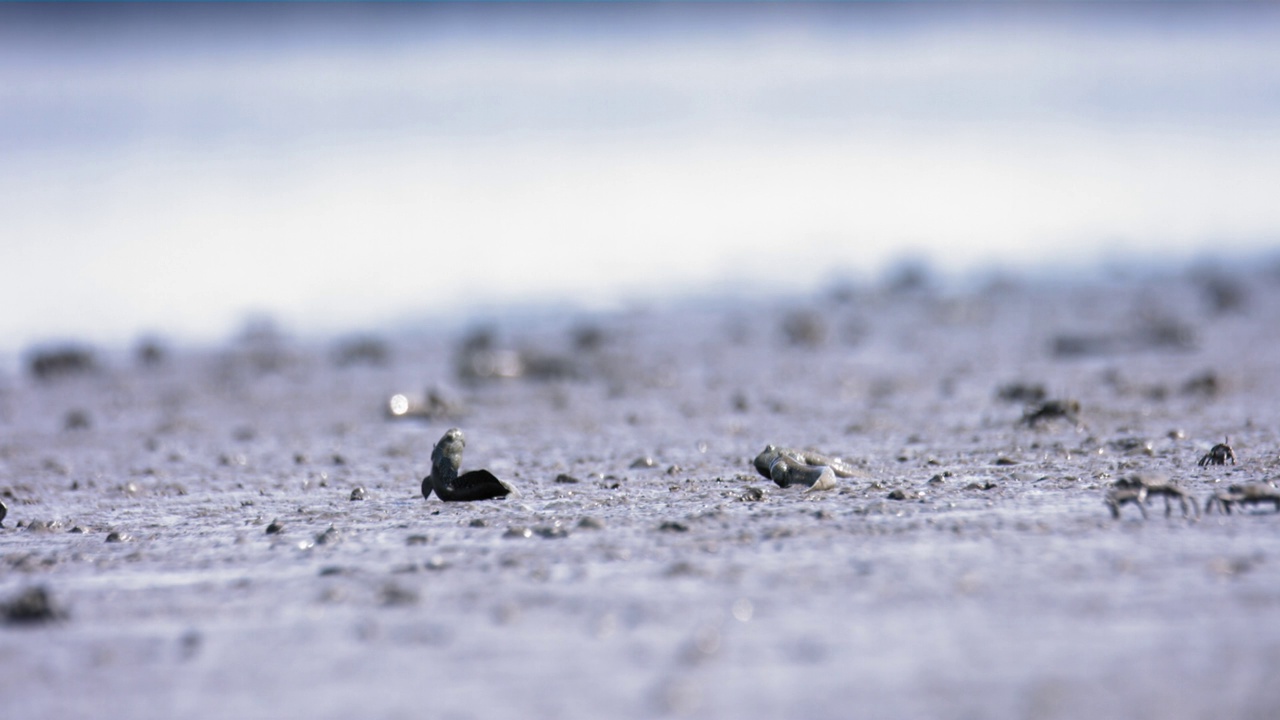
[{"x": 176, "y": 168}]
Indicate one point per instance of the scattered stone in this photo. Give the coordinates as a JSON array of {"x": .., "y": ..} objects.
[
  {"x": 564, "y": 479},
  {"x": 76, "y": 420},
  {"x": 357, "y": 494},
  {"x": 32, "y": 606},
  {"x": 984, "y": 485},
  {"x": 57, "y": 362},
  {"x": 149, "y": 352},
  {"x": 591, "y": 523},
  {"x": 1002, "y": 460},
  {"x": 1022, "y": 392},
  {"x": 479, "y": 523},
  {"x": 804, "y": 328},
  {"x": 275, "y": 528},
  {"x": 673, "y": 526},
  {"x": 394, "y": 595},
  {"x": 551, "y": 531},
  {"x": 361, "y": 350},
  {"x": 1205, "y": 384},
  {"x": 118, "y": 537},
  {"x": 416, "y": 540},
  {"x": 752, "y": 494},
  {"x": 643, "y": 462},
  {"x": 900, "y": 494},
  {"x": 1050, "y": 410},
  {"x": 329, "y": 537}
]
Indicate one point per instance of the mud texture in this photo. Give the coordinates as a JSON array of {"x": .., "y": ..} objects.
[{"x": 182, "y": 537}]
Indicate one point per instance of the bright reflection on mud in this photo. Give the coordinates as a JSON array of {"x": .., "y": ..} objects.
[{"x": 398, "y": 405}]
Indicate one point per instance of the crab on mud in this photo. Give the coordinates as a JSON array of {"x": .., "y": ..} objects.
[
  {"x": 1116, "y": 497},
  {"x": 1138, "y": 489},
  {"x": 1048, "y": 410},
  {"x": 1219, "y": 454},
  {"x": 1248, "y": 494}
]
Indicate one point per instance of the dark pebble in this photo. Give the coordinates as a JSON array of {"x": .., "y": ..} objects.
[
  {"x": 4, "y": 510},
  {"x": 517, "y": 532},
  {"x": 754, "y": 494},
  {"x": 33, "y": 605},
  {"x": 479, "y": 522},
  {"x": 275, "y": 527},
  {"x": 329, "y": 536},
  {"x": 672, "y": 526},
  {"x": 417, "y": 540},
  {"x": 393, "y": 594},
  {"x": 358, "y": 494},
  {"x": 51, "y": 363},
  {"x": 76, "y": 420},
  {"x": 591, "y": 523},
  {"x": 644, "y": 462},
  {"x": 551, "y": 531},
  {"x": 564, "y": 479},
  {"x": 901, "y": 494},
  {"x": 114, "y": 536}
]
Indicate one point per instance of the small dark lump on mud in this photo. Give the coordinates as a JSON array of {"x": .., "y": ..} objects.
[{"x": 32, "y": 606}]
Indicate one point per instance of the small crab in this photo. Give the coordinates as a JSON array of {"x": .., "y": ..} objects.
[
  {"x": 1249, "y": 494},
  {"x": 1219, "y": 454},
  {"x": 1052, "y": 410},
  {"x": 1118, "y": 496},
  {"x": 1146, "y": 486}
]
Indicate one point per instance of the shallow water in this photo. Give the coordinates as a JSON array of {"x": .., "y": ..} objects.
[{"x": 678, "y": 597}]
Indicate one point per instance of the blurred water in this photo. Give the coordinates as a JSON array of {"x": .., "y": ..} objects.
[{"x": 172, "y": 168}]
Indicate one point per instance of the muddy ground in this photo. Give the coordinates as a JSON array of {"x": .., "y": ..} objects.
[{"x": 639, "y": 573}]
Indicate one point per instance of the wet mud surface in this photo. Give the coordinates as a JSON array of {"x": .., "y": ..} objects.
[{"x": 240, "y": 531}]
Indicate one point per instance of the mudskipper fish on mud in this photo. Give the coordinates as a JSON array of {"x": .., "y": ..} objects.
[
  {"x": 446, "y": 459},
  {"x": 814, "y": 470}
]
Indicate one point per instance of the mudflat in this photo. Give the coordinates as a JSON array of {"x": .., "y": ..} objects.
[{"x": 240, "y": 531}]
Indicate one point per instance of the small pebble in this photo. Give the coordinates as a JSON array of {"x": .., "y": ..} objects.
[
  {"x": 275, "y": 527},
  {"x": 416, "y": 540},
  {"x": 552, "y": 531},
  {"x": 115, "y": 536},
  {"x": 644, "y": 462},
  {"x": 33, "y": 605},
  {"x": 518, "y": 532},
  {"x": 565, "y": 479},
  {"x": 591, "y": 523},
  {"x": 753, "y": 494},
  {"x": 672, "y": 526},
  {"x": 329, "y": 536},
  {"x": 900, "y": 494},
  {"x": 479, "y": 522},
  {"x": 357, "y": 494}
]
